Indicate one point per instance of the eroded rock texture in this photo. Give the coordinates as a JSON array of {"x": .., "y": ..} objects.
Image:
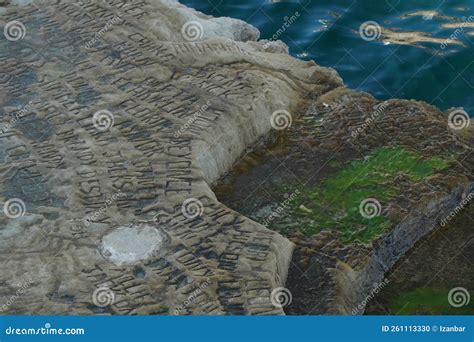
[
  {"x": 310, "y": 182},
  {"x": 114, "y": 116},
  {"x": 117, "y": 117}
]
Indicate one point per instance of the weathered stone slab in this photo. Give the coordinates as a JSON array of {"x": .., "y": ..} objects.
[{"x": 116, "y": 117}]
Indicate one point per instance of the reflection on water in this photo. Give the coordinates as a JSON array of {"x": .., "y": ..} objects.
[
  {"x": 427, "y": 44},
  {"x": 413, "y": 38}
]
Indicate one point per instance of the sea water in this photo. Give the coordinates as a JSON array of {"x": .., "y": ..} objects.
[{"x": 411, "y": 49}]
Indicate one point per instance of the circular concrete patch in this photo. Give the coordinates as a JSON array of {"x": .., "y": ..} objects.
[{"x": 128, "y": 245}]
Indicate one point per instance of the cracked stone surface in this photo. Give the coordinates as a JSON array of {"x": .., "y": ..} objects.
[
  {"x": 117, "y": 117},
  {"x": 113, "y": 118}
]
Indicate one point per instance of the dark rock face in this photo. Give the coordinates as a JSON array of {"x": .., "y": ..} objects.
[
  {"x": 389, "y": 249},
  {"x": 328, "y": 274},
  {"x": 440, "y": 262}
]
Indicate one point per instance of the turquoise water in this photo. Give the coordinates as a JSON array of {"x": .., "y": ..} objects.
[{"x": 327, "y": 31}]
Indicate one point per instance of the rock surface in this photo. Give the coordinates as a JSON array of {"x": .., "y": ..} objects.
[
  {"x": 119, "y": 114},
  {"x": 117, "y": 118},
  {"x": 340, "y": 255}
]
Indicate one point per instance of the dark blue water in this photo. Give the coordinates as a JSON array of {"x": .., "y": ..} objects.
[{"x": 327, "y": 31}]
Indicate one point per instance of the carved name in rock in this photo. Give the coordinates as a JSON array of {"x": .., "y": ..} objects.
[{"x": 111, "y": 121}]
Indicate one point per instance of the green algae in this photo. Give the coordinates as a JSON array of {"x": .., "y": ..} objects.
[
  {"x": 334, "y": 204},
  {"x": 428, "y": 301}
]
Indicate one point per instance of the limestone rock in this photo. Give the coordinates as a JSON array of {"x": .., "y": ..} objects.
[{"x": 116, "y": 119}]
